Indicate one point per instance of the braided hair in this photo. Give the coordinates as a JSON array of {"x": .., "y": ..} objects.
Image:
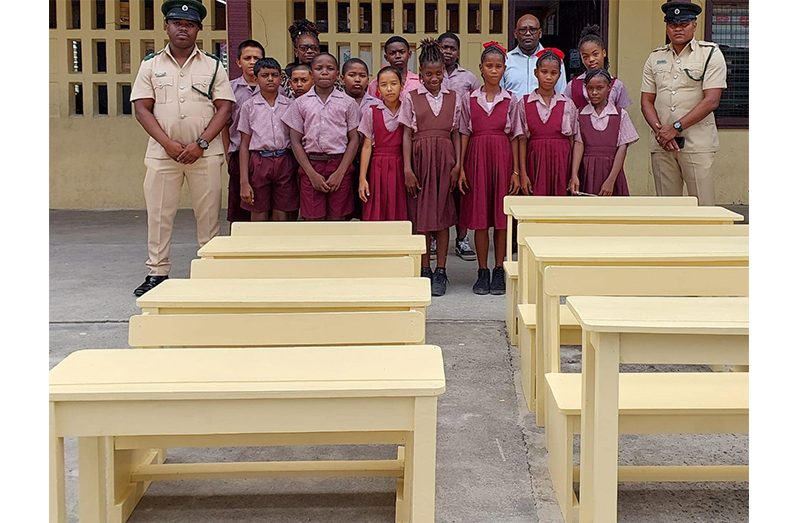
[
  {"x": 592, "y": 33},
  {"x": 301, "y": 27},
  {"x": 549, "y": 55},
  {"x": 598, "y": 72},
  {"x": 430, "y": 52}
]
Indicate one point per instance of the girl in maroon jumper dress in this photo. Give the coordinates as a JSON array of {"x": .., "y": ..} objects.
[
  {"x": 385, "y": 197},
  {"x": 597, "y": 166},
  {"x": 489, "y": 130},
  {"x": 431, "y": 151},
  {"x": 545, "y": 148}
]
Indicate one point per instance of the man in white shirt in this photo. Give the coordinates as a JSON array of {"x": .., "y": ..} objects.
[{"x": 519, "y": 77}]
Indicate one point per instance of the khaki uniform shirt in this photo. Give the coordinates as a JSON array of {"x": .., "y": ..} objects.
[
  {"x": 677, "y": 94},
  {"x": 182, "y": 112}
]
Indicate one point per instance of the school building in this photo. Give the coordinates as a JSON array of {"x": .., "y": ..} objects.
[{"x": 97, "y": 146}]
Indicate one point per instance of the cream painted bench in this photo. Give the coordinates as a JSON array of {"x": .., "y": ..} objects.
[
  {"x": 648, "y": 403},
  {"x": 306, "y": 228},
  {"x": 645, "y": 330},
  {"x": 278, "y": 329},
  {"x": 303, "y": 268},
  {"x": 139, "y": 399}
]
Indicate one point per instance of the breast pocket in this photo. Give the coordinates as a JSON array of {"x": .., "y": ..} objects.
[
  {"x": 164, "y": 89},
  {"x": 201, "y": 86}
]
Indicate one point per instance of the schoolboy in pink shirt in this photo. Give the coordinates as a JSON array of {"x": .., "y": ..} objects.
[
  {"x": 323, "y": 125},
  {"x": 397, "y": 54}
]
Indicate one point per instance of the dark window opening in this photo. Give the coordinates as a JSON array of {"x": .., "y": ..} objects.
[
  {"x": 101, "y": 99},
  {"x": 430, "y": 17},
  {"x": 727, "y": 26},
  {"x": 344, "y": 17},
  {"x": 386, "y": 18},
  {"x": 219, "y": 15},
  {"x": 409, "y": 18},
  {"x": 147, "y": 15},
  {"x": 100, "y": 57},
  {"x": 53, "y": 15},
  {"x": 99, "y": 14},
  {"x": 322, "y": 17},
  {"x": 124, "y": 99},
  {"x": 76, "y": 99},
  {"x": 73, "y": 15},
  {"x": 364, "y": 17},
  {"x": 453, "y": 18}
]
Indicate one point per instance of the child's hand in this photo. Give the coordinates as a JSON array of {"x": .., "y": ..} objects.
[
  {"x": 454, "y": 175},
  {"x": 515, "y": 184},
  {"x": 318, "y": 182},
  {"x": 573, "y": 185},
  {"x": 411, "y": 183},
  {"x": 607, "y": 188},
  {"x": 247, "y": 194},
  {"x": 462, "y": 182},
  {"x": 526, "y": 184},
  {"x": 363, "y": 191},
  {"x": 335, "y": 179}
]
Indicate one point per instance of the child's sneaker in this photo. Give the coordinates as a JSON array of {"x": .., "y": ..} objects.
[
  {"x": 482, "y": 286},
  {"x": 463, "y": 249},
  {"x": 439, "y": 281},
  {"x": 433, "y": 248},
  {"x": 497, "y": 282}
]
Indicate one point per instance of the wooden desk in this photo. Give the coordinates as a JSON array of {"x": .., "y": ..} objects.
[
  {"x": 307, "y": 228},
  {"x": 284, "y": 396},
  {"x": 315, "y": 246},
  {"x": 624, "y": 214},
  {"x": 656, "y": 330},
  {"x": 208, "y": 296},
  {"x": 666, "y": 251}
]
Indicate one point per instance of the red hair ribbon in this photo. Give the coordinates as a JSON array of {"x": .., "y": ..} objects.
[
  {"x": 554, "y": 50},
  {"x": 494, "y": 43}
]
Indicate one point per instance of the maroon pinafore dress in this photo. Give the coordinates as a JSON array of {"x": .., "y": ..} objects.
[
  {"x": 388, "y": 200},
  {"x": 548, "y": 151},
  {"x": 600, "y": 149},
  {"x": 488, "y": 167},
  {"x": 578, "y": 94},
  {"x": 433, "y": 159}
]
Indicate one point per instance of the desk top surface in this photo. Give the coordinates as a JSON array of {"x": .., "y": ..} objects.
[
  {"x": 313, "y": 245},
  {"x": 290, "y": 293},
  {"x": 631, "y": 213},
  {"x": 638, "y": 248},
  {"x": 248, "y": 373},
  {"x": 668, "y": 315}
]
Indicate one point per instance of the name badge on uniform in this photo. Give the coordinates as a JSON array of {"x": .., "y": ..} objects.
[
  {"x": 658, "y": 62},
  {"x": 160, "y": 74}
]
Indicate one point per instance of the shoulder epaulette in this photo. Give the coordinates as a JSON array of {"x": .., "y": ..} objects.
[
  {"x": 152, "y": 55},
  {"x": 663, "y": 48},
  {"x": 211, "y": 55},
  {"x": 702, "y": 43}
]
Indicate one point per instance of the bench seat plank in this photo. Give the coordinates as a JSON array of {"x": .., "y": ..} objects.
[
  {"x": 307, "y": 228},
  {"x": 323, "y": 246}
]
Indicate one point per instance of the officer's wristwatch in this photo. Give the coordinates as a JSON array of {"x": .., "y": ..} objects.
[
  {"x": 676, "y": 125},
  {"x": 203, "y": 144}
]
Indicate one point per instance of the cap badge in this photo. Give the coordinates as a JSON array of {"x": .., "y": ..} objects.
[
  {"x": 185, "y": 8},
  {"x": 675, "y": 11}
]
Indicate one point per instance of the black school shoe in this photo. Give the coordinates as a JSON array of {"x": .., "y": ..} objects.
[
  {"x": 497, "y": 282},
  {"x": 439, "y": 281},
  {"x": 482, "y": 286},
  {"x": 426, "y": 272},
  {"x": 150, "y": 282}
]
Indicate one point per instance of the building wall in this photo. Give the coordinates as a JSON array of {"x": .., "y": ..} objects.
[{"x": 96, "y": 161}]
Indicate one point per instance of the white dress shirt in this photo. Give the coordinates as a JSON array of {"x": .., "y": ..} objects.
[{"x": 519, "y": 77}]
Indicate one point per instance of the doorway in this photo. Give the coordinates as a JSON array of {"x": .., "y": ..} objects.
[{"x": 561, "y": 22}]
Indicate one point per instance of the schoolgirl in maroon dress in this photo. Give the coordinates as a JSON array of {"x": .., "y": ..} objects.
[
  {"x": 549, "y": 122},
  {"x": 431, "y": 151},
  {"x": 604, "y": 132},
  {"x": 489, "y": 130},
  {"x": 382, "y": 180}
]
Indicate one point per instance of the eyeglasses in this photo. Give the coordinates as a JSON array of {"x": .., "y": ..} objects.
[
  {"x": 527, "y": 30},
  {"x": 305, "y": 48}
]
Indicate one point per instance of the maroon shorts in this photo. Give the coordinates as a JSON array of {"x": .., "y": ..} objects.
[
  {"x": 316, "y": 205},
  {"x": 234, "y": 211},
  {"x": 274, "y": 183}
]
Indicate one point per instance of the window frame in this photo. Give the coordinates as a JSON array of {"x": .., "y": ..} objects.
[{"x": 725, "y": 122}]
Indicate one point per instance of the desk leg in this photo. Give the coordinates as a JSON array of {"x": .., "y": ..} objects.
[
  {"x": 541, "y": 362},
  {"x": 57, "y": 497},
  {"x": 599, "y": 453},
  {"x": 417, "y": 263},
  {"x": 419, "y": 482},
  {"x": 93, "y": 489}
]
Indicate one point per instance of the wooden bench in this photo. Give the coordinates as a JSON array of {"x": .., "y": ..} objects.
[
  {"x": 137, "y": 399},
  {"x": 402, "y": 266},
  {"x": 316, "y": 246},
  {"x": 645, "y": 330},
  {"x": 278, "y": 329},
  {"x": 614, "y": 251},
  {"x": 648, "y": 403},
  {"x": 306, "y": 228}
]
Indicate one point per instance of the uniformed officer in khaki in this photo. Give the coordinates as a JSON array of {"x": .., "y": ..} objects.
[
  {"x": 183, "y": 99},
  {"x": 682, "y": 85}
]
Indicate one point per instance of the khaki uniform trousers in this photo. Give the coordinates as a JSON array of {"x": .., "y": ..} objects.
[
  {"x": 162, "y": 185},
  {"x": 673, "y": 170}
]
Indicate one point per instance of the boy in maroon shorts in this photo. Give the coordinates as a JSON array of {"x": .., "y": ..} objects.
[
  {"x": 324, "y": 139},
  {"x": 268, "y": 172}
]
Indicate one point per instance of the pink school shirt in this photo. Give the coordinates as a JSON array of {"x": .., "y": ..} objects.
[
  {"x": 243, "y": 92},
  {"x": 461, "y": 80},
  {"x": 324, "y": 125},
  {"x": 627, "y": 133},
  {"x": 411, "y": 82},
  {"x": 264, "y": 123},
  {"x": 569, "y": 117},
  {"x": 366, "y": 102},
  {"x": 513, "y": 126},
  {"x": 618, "y": 95},
  {"x": 407, "y": 113},
  {"x": 366, "y": 127}
]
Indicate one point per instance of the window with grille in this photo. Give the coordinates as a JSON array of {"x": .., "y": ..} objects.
[{"x": 727, "y": 26}]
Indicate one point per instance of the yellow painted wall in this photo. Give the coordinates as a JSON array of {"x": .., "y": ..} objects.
[{"x": 96, "y": 162}]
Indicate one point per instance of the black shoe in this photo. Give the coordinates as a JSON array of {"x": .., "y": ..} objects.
[
  {"x": 482, "y": 286},
  {"x": 463, "y": 249},
  {"x": 149, "y": 283},
  {"x": 497, "y": 282},
  {"x": 439, "y": 281},
  {"x": 426, "y": 272}
]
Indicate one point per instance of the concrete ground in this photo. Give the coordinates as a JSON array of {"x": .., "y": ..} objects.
[{"x": 491, "y": 462}]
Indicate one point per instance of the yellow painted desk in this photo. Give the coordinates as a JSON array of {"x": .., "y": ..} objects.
[
  {"x": 665, "y": 251},
  {"x": 654, "y": 330},
  {"x": 316, "y": 246},
  {"x": 209, "y": 296},
  {"x": 308, "y": 228},
  {"x": 285, "y": 396}
]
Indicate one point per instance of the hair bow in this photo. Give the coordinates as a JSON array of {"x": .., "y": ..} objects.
[
  {"x": 494, "y": 43},
  {"x": 554, "y": 50}
]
